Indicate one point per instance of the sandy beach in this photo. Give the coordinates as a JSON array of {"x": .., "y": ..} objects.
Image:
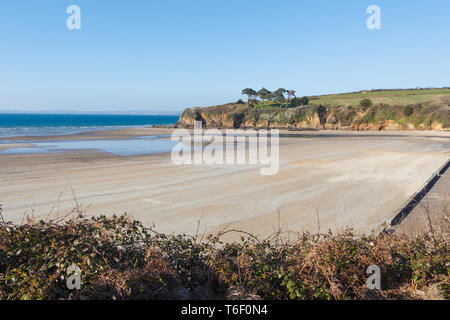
[{"x": 328, "y": 180}]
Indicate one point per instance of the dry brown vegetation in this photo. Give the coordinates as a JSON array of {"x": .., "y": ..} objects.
[{"x": 121, "y": 259}]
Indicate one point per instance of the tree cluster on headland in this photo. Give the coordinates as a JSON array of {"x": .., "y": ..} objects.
[{"x": 282, "y": 97}]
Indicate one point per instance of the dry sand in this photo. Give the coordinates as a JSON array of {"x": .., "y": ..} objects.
[{"x": 351, "y": 180}]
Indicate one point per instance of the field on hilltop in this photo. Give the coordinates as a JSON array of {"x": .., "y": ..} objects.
[{"x": 391, "y": 97}]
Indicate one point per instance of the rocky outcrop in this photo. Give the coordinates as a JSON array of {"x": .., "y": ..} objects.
[
  {"x": 220, "y": 116},
  {"x": 376, "y": 118}
]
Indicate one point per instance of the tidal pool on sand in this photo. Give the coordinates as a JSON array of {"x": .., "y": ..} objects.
[{"x": 121, "y": 147}]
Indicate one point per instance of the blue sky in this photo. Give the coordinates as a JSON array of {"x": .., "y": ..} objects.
[{"x": 165, "y": 55}]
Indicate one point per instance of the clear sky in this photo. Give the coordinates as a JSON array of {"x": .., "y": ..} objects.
[{"x": 165, "y": 55}]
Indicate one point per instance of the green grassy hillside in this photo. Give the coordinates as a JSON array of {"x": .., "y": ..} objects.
[
  {"x": 391, "y": 97},
  {"x": 421, "y": 109}
]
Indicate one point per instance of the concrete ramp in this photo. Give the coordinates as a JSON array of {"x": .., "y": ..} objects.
[{"x": 428, "y": 207}]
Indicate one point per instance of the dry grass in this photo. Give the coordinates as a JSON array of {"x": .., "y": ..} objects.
[{"x": 121, "y": 259}]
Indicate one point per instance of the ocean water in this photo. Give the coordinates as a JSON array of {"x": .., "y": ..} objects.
[
  {"x": 59, "y": 124},
  {"x": 26, "y": 125}
]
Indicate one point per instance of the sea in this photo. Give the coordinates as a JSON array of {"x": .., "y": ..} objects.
[
  {"x": 38, "y": 125},
  {"x": 12, "y": 125}
]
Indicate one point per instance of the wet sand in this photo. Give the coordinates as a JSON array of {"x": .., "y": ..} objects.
[
  {"x": 14, "y": 146},
  {"x": 327, "y": 180},
  {"x": 90, "y": 135}
]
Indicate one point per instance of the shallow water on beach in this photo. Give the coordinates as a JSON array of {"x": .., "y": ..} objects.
[{"x": 121, "y": 147}]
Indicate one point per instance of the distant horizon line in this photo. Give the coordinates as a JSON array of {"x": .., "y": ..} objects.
[
  {"x": 87, "y": 113},
  {"x": 178, "y": 113}
]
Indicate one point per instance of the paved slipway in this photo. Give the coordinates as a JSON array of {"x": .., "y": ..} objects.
[
  {"x": 426, "y": 211},
  {"x": 329, "y": 182}
]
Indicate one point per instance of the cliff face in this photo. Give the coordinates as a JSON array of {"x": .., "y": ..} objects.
[{"x": 380, "y": 117}]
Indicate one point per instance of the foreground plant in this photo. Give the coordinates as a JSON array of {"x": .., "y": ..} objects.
[{"x": 121, "y": 259}]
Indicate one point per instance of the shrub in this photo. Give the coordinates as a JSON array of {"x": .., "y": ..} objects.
[
  {"x": 408, "y": 110},
  {"x": 366, "y": 103},
  {"x": 121, "y": 259},
  {"x": 299, "y": 102},
  {"x": 236, "y": 117}
]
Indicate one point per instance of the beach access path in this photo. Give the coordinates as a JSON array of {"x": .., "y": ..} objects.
[{"x": 428, "y": 214}]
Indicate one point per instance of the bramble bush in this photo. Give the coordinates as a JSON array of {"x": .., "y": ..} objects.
[{"x": 121, "y": 259}]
